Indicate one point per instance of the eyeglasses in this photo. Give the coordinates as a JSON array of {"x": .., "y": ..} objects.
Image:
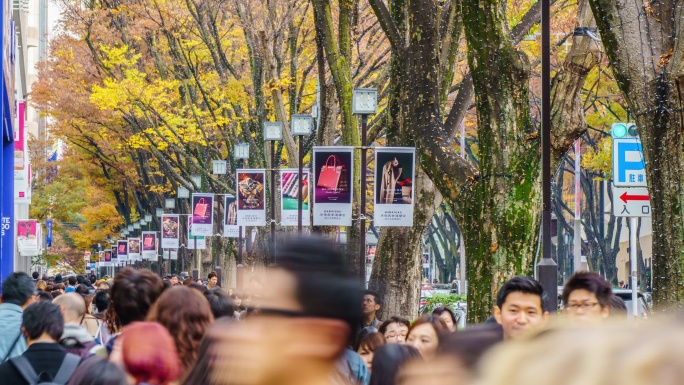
[{"x": 583, "y": 306}]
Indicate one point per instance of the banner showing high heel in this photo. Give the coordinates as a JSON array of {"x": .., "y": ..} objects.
[
  {"x": 134, "y": 249},
  {"x": 251, "y": 197},
  {"x": 170, "y": 231},
  {"x": 203, "y": 214},
  {"x": 333, "y": 168},
  {"x": 394, "y": 175},
  {"x": 149, "y": 245},
  {"x": 230, "y": 223},
  {"x": 289, "y": 203}
]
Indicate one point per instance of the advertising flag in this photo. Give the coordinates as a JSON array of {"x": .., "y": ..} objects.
[
  {"x": 107, "y": 258},
  {"x": 289, "y": 195},
  {"x": 193, "y": 239},
  {"x": 251, "y": 197},
  {"x": 27, "y": 237},
  {"x": 230, "y": 223},
  {"x": 48, "y": 239},
  {"x": 394, "y": 175},
  {"x": 333, "y": 169},
  {"x": 122, "y": 250},
  {"x": 203, "y": 214},
  {"x": 149, "y": 245},
  {"x": 170, "y": 231},
  {"x": 134, "y": 249},
  {"x": 115, "y": 258}
]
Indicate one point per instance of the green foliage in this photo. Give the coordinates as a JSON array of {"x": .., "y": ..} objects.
[{"x": 446, "y": 300}]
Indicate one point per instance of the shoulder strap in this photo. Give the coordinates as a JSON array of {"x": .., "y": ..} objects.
[
  {"x": 68, "y": 367},
  {"x": 12, "y": 347},
  {"x": 25, "y": 369}
]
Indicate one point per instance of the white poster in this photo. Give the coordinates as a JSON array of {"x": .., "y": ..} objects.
[
  {"x": 170, "y": 254},
  {"x": 394, "y": 175},
  {"x": 333, "y": 189},
  {"x": 290, "y": 189},
  {"x": 134, "y": 249},
  {"x": 203, "y": 214},
  {"x": 195, "y": 242},
  {"x": 149, "y": 245},
  {"x": 170, "y": 231},
  {"x": 251, "y": 197},
  {"x": 230, "y": 224}
]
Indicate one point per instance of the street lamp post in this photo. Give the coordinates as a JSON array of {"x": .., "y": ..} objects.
[
  {"x": 240, "y": 153},
  {"x": 300, "y": 125},
  {"x": 273, "y": 131},
  {"x": 547, "y": 269},
  {"x": 182, "y": 193},
  {"x": 364, "y": 103}
]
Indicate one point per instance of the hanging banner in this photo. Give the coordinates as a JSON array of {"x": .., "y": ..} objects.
[
  {"x": 170, "y": 231},
  {"x": 170, "y": 254},
  {"x": 203, "y": 214},
  {"x": 114, "y": 257},
  {"x": 289, "y": 195},
  {"x": 107, "y": 258},
  {"x": 230, "y": 224},
  {"x": 394, "y": 175},
  {"x": 134, "y": 249},
  {"x": 48, "y": 239},
  {"x": 193, "y": 239},
  {"x": 27, "y": 237},
  {"x": 333, "y": 169},
  {"x": 251, "y": 210},
  {"x": 122, "y": 251},
  {"x": 149, "y": 245}
]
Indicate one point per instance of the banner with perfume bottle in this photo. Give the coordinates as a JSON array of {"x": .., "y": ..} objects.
[
  {"x": 134, "y": 249},
  {"x": 333, "y": 168},
  {"x": 170, "y": 231},
  {"x": 290, "y": 189},
  {"x": 251, "y": 197},
  {"x": 394, "y": 175}
]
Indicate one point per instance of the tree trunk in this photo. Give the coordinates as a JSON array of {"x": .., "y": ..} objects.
[
  {"x": 647, "y": 61},
  {"x": 397, "y": 267}
]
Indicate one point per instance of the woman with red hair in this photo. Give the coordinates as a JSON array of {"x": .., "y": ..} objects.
[
  {"x": 186, "y": 314},
  {"x": 149, "y": 354}
]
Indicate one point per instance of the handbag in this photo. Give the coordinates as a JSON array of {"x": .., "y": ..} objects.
[
  {"x": 201, "y": 208},
  {"x": 333, "y": 176},
  {"x": 148, "y": 241}
]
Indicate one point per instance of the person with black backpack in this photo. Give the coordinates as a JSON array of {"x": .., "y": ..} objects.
[{"x": 45, "y": 361}]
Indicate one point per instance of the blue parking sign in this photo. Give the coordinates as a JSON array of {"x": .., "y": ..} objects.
[{"x": 629, "y": 168}]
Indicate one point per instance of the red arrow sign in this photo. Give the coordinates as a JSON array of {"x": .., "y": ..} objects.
[{"x": 626, "y": 197}]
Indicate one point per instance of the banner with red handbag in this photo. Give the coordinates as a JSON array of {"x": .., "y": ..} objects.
[
  {"x": 122, "y": 251},
  {"x": 332, "y": 196},
  {"x": 149, "y": 245},
  {"x": 202, "y": 214}
]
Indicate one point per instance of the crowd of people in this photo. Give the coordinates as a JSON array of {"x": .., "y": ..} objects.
[{"x": 312, "y": 323}]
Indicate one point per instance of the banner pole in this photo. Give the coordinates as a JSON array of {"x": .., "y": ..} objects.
[{"x": 362, "y": 209}]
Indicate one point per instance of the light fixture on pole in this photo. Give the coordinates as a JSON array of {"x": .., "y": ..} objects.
[
  {"x": 300, "y": 125},
  {"x": 182, "y": 193},
  {"x": 136, "y": 225},
  {"x": 143, "y": 222},
  {"x": 170, "y": 203},
  {"x": 129, "y": 228},
  {"x": 364, "y": 103},
  {"x": 273, "y": 131},
  {"x": 197, "y": 181},
  {"x": 148, "y": 218},
  {"x": 219, "y": 167},
  {"x": 159, "y": 212},
  {"x": 240, "y": 153}
]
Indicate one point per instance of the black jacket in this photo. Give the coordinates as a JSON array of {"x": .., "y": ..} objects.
[{"x": 45, "y": 357}]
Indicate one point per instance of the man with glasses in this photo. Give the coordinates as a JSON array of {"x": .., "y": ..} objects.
[
  {"x": 587, "y": 297},
  {"x": 301, "y": 323}
]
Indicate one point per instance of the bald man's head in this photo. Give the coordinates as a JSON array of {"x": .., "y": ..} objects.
[{"x": 73, "y": 307}]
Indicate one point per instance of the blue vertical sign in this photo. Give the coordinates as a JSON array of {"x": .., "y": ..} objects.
[
  {"x": 629, "y": 168},
  {"x": 48, "y": 240}
]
